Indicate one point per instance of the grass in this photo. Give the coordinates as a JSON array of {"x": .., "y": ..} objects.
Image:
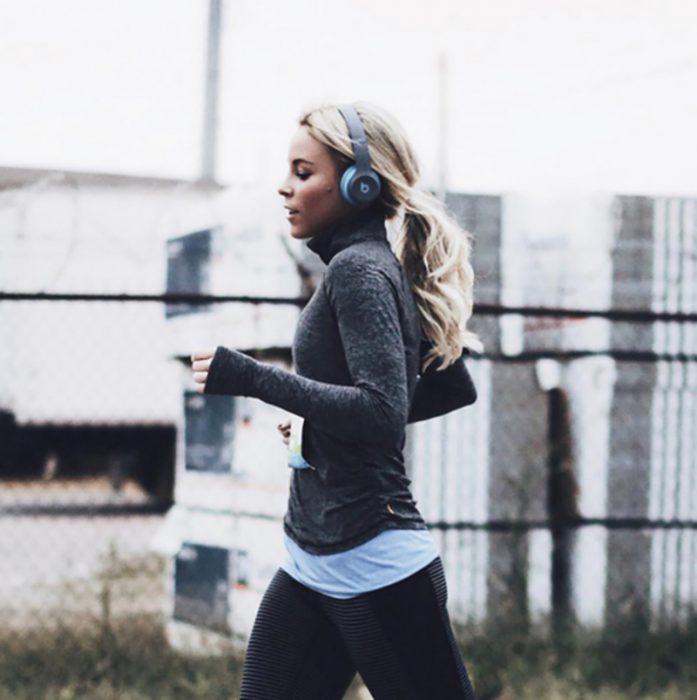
[
  {"x": 131, "y": 660},
  {"x": 625, "y": 660}
]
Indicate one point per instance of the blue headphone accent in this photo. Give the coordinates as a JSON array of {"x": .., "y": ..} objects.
[{"x": 359, "y": 185}]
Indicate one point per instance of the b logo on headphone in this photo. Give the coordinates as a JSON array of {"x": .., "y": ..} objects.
[{"x": 360, "y": 184}]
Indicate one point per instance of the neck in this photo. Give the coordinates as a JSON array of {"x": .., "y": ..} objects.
[{"x": 357, "y": 226}]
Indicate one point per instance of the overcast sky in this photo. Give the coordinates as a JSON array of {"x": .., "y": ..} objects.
[{"x": 541, "y": 94}]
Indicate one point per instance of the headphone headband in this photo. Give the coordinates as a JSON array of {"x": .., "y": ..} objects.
[
  {"x": 360, "y": 185},
  {"x": 357, "y": 136}
]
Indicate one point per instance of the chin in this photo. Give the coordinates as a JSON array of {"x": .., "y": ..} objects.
[{"x": 300, "y": 233}]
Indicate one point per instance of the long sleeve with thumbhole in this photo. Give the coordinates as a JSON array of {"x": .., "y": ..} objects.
[
  {"x": 374, "y": 408},
  {"x": 356, "y": 353}
]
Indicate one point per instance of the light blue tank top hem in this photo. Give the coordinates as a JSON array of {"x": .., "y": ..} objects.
[{"x": 390, "y": 556}]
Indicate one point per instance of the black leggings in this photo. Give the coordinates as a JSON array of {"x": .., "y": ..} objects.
[{"x": 307, "y": 646}]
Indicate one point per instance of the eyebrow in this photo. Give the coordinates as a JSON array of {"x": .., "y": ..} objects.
[{"x": 302, "y": 160}]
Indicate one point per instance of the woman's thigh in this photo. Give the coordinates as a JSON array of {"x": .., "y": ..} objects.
[
  {"x": 401, "y": 639},
  {"x": 294, "y": 651}
]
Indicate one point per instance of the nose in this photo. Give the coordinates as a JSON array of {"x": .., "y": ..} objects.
[{"x": 283, "y": 190}]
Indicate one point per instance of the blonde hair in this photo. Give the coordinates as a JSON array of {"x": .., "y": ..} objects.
[{"x": 432, "y": 247}]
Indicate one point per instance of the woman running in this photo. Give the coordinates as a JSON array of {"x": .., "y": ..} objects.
[{"x": 381, "y": 343}]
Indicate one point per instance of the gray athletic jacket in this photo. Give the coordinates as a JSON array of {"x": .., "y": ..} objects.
[{"x": 357, "y": 353}]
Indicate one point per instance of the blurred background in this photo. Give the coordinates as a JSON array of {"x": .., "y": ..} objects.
[{"x": 141, "y": 147}]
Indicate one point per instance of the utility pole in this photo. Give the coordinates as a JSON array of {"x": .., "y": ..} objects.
[
  {"x": 442, "y": 124},
  {"x": 210, "y": 107}
]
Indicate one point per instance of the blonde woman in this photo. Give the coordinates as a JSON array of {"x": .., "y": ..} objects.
[{"x": 381, "y": 343}]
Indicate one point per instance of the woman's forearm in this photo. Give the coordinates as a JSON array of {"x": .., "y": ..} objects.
[{"x": 363, "y": 412}]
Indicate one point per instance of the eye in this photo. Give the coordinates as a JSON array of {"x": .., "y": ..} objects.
[{"x": 303, "y": 176}]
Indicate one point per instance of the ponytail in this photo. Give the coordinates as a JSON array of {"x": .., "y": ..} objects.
[{"x": 435, "y": 253}]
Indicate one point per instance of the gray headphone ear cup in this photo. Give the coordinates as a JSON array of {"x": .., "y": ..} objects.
[
  {"x": 365, "y": 187},
  {"x": 359, "y": 189},
  {"x": 345, "y": 185}
]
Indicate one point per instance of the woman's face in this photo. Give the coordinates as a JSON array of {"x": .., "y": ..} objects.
[{"x": 311, "y": 186}]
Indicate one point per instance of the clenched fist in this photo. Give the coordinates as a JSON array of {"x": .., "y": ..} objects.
[
  {"x": 200, "y": 363},
  {"x": 222, "y": 370}
]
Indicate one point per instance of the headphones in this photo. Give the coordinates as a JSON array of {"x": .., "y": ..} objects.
[{"x": 360, "y": 184}]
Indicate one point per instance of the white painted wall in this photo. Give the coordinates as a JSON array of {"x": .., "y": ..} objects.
[{"x": 105, "y": 362}]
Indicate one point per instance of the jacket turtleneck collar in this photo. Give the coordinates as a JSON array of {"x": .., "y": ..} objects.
[{"x": 362, "y": 225}]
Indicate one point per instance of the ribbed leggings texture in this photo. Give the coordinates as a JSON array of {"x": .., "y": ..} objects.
[{"x": 308, "y": 646}]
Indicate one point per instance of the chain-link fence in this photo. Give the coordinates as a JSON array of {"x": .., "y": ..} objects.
[{"x": 563, "y": 500}]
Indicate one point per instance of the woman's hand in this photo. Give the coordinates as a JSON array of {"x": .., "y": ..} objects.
[
  {"x": 284, "y": 429},
  {"x": 224, "y": 371},
  {"x": 200, "y": 362}
]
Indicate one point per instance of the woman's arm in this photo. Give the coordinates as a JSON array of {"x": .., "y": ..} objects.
[
  {"x": 375, "y": 407},
  {"x": 440, "y": 392}
]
